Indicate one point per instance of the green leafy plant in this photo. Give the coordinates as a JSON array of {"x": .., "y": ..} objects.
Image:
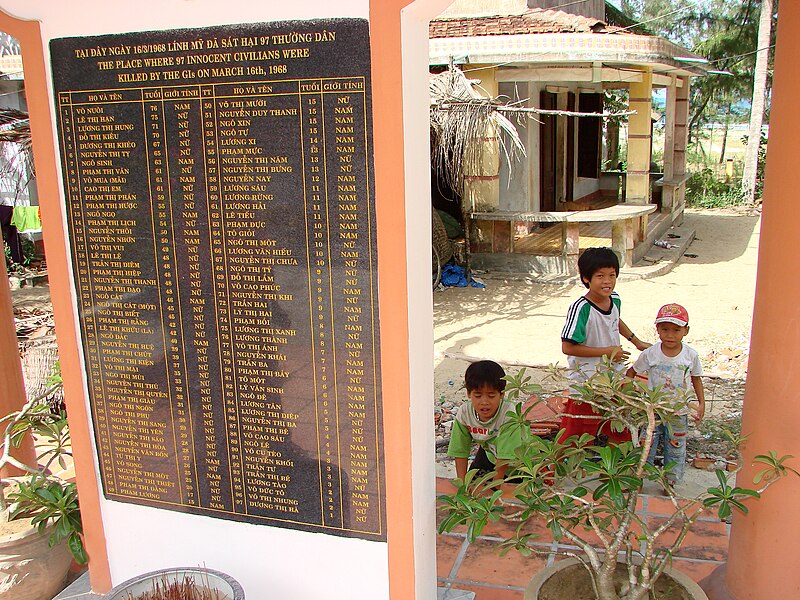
[
  {"x": 48, "y": 501},
  {"x": 587, "y": 494},
  {"x": 704, "y": 190}
]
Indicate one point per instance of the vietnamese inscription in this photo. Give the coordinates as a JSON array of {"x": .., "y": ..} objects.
[{"x": 221, "y": 216}]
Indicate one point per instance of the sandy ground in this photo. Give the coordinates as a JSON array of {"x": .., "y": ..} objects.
[{"x": 519, "y": 323}]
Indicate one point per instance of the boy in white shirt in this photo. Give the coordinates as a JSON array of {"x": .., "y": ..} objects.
[{"x": 673, "y": 366}]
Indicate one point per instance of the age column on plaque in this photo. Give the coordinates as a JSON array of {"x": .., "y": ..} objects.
[
  {"x": 226, "y": 397},
  {"x": 253, "y": 121},
  {"x": 352, "y": 296}
]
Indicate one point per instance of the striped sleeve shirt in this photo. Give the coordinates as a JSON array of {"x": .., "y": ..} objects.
[{"x": 591, "y": 326}]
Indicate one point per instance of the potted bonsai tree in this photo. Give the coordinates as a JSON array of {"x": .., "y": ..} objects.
[
  {"x": 587, "y": 493},
  {"x": 40, "y": 525}
]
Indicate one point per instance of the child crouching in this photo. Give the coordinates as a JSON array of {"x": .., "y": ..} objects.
[{"x": 480, "y": 420}]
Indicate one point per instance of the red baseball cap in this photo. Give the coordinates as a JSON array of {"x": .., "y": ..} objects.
[{"x": 672, "y": 313}]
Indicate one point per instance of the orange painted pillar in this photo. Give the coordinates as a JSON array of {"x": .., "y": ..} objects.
[
  {"x": 29, "y": 35},
  {"x": 387, "y": 110},
  {"x": 12, "y": 383},
  {"x": 765, "y": 544}
]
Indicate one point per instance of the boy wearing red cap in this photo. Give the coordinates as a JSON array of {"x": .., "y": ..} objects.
[{"x": 672, "y": 366}]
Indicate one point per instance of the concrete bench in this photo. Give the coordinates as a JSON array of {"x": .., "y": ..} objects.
[{"x": 628, "y": 226}]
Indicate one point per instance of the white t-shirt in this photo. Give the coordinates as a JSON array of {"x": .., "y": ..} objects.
[{"x": 673, "y": 373}]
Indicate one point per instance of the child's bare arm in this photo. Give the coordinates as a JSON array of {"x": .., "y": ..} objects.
[
  {"x": 697, "y": 384},
  {"x": 615, "y": 353},
  {"x": 630, "y": 373},
  {"x": 626, "y": 332}
]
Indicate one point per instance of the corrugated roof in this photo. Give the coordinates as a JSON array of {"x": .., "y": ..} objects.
[{"x": 533, "y": 20}]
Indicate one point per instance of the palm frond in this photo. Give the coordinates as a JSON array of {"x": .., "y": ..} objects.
[{"x": 461, "y": 119}]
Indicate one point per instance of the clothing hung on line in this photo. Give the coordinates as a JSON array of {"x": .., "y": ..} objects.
[
  {"x": 10, "y": 233},
  {"x": 26, "y": 218}
]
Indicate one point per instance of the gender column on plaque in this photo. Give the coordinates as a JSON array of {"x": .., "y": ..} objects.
[
  {"x": 352, "y": 288},
  {"x": 75, "y": 160},
  {"x": 180, "y": 457},
  {"x": 257, "y": 134},
  {"x": 193, "y": 182}
]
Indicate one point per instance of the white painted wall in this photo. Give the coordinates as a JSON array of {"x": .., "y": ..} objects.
[
  {"x": 522, "y": 191},
  {"x": 273, "y": 562},
  {"x": 416, "y": 132},
  {"x": 514, "y": 188}
]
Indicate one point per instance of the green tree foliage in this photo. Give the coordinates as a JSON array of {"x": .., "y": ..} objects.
[{"x": 723, "y": 31}]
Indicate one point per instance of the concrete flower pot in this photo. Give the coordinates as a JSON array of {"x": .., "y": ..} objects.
[
  {"x": 226, "y": 585},
  {"x": 29, "y": 568},
  {"x": 570, "y": 569}
]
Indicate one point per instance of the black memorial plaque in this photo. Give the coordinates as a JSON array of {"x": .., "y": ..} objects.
[{"x": 221, "y": 216}]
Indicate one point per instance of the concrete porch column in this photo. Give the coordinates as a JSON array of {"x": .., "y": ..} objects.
[
  {"x": 482, "y": 186},
  {"x": 637, "y": 186},
  {"x": 676, "y": 138},
  {"x": 669, "y": 143}
]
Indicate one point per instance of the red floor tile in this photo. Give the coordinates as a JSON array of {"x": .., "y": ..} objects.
[
  {"x": 661, "y": 506},
  {"x": 444, "y": 486},
  {"x": 488, "y": 593},
  {"x": 484, "y": 564},
  {"x": 447, "y": 549},
  {"x": 707, "y": 540},
  {"x": 694, "y": 569}
]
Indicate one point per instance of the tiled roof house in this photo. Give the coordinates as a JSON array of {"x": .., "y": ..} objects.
[{"x": 558, "y": 60}]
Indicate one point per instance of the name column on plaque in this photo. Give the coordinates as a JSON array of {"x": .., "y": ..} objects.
[{"x": 73, "y": 141}]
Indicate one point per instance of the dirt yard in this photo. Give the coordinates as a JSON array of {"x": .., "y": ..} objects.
[{"x": 518, "y": 323}]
